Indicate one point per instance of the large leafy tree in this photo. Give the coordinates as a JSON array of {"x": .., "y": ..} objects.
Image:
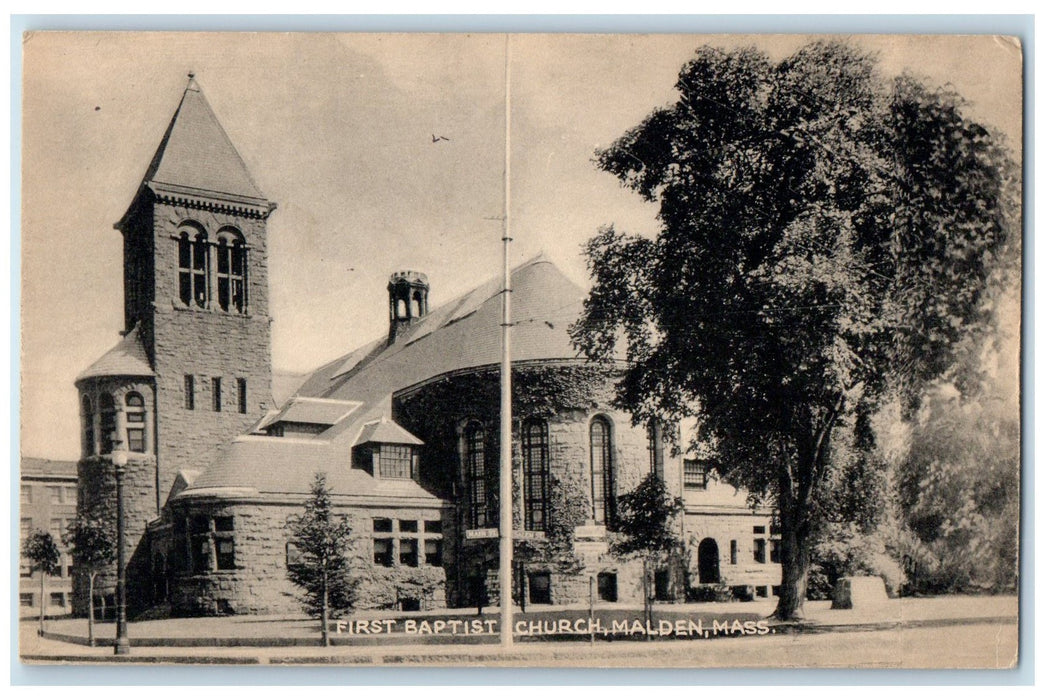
[
  {"x": 321, "y": 540},
  {"x": 825, "y": 235},
  {"x": 91, "y": 539},
  {"x": 42, "y": 551}
]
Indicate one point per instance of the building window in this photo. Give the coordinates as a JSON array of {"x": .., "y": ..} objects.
[
  {"x": 397, "y": 462},
  {"x": 434, "y": 526},
  {"x": 475, "y": 473},
  {"x": 212, "y": 537},
  {"x": 58, "y": 600},
  {"x": 190, "y": 392},
  {"x": 759, "y": 529},
  {"x": 107, "y": 424},
  {"x": 25, "y": 600},
  {"x": 241, "y": 394},
  {"x": 540, "y": 588},
  {"x": 601, "y": 472},
  {"x": 26, "y": 494},
  {"x": 383, "y": 552},
  {"x": 408, "y": 552},
  {"x": 26, "y": 527},
  {"x": 70, "y": 494},
  {"x": 774, "y": 551},
  {"x": 293, "y": 555},
  {"x": 226, "y": 553},
  {"x": 54, "y": 494},
  {"x": 535, "y": 474},
  {"x": 695, "y": 474},
  {"x": 760, "y": 551},
  {"x": 408, "y": 526},
  {"x": 232, "y": 264},
  {"x": 607, "y": 586},
  {"x": 215, "y": 385},
  {"x": 192, "y": 267},
  {"x": 434, "y": 552},
  {"x": 732, "y": 551},
  {"x": 135, "y": 417},
  {"x": 88, "y": 426},
  {"x": 382, "y": 525}
]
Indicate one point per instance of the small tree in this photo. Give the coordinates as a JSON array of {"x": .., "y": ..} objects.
[
  {"x": 645, "y": 529},
  {"x": 92, "y": 542},
  {"x": 41, "y": 549},
  {"x": 321, "y": 540}
]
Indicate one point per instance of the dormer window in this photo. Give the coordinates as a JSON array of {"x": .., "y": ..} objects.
[{"x": 387, "y": 451}]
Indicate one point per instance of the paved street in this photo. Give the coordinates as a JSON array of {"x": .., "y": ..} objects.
[{"x": 949, "y": 632}]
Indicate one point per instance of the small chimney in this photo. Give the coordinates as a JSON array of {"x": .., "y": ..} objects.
[{"x": 407, "y": 301}]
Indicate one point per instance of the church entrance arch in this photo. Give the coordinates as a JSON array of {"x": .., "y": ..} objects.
[{"x": 707, "y": 561}]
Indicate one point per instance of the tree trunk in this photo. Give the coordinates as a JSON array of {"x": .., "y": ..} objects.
[
  {"x": 324, "y": 614},
  {"x": 42, "y": 602},
  {"x": 90, "y": 609},
  {"x": 647, "y": 605},
  {"x": 795, "y": 558}
]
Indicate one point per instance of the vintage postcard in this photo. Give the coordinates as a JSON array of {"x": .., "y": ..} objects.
[{"x": 529, "y": 349}]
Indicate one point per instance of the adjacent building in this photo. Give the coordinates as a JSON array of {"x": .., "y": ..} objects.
[
  {"x": 405, "y": 427},
  {"x": 47, "y": 502}
]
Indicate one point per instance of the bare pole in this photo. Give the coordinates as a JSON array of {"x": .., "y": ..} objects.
[{"x": 506, "y": 374}]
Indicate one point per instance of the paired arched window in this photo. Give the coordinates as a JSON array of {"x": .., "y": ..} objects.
[
  {"x": 535, "y": 474},
  {"x": 199, "y": 259},
  {"x": 232, "y": 266},
  {"x": 601, "y": 471},
  {"x": 474, "y": 458},
  {"x": 107, "y": 423},
  {"x": 88, "y": 426},
  {"x": 135, "y": 417}
]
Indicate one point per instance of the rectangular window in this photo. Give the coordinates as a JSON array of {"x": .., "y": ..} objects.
[
  {"x": 201, "y": 554},
  {"x": 408, "y": 526},
  {"x": 760, "y": 551},
  {"x": 70, "y": 494},
  {"x": 774, "y": 551},
  {"x": 408, "y": 552},
  {"x": 26, "y": 527},
  {"x": 25, "y": 571},
  {"x": 241, "y": 394},
  {"x": 26, "y": 493},
  {"x": 383, "y": 552},
  {"x": 732, "y": 551},
  {"x": 223, "y": 524},
  {"x": 58, "y": 600},
  {"x": 759, "y": 529},
  {"x": 540, "y": 588},
  {"x": 190, "y": 392},
  {"x": 395, "y": 461},
  {"x": 435, "y": 526},
  {"x": 56, "y": 528},
  {"x": 434, "y": 552},
  {"x": 293, "y": 554},
  {"x": 25, "y": 600},
  {"x": 216, "y": 392},
  {"x": 695, "y": 474},
  {"x": 136, "y": 439},
  {"x": 226, "y": 553},
  {"x": 54, "y": 494},
  {"x": 382, "y": 525}
]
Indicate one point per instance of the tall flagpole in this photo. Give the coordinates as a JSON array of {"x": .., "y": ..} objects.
[{"x": 506, "y": 373}]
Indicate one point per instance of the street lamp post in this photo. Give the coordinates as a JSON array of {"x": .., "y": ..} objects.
[{"x": 122, "y": 644}]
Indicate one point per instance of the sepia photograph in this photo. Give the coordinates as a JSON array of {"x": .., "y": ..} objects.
[{"x": 521, "y": 350}]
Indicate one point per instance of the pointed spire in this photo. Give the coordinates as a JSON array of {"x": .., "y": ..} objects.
[{"x": 195, "y": 152}]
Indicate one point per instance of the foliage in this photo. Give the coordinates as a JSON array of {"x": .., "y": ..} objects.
[
  {"x": 709, "y": 593},
  {"x": 322, "y": 540},
  {"x": 844, "y": 549},
  {"x": 826, "y": 235},
  {"x": 41, "y": 549},
  {"x": 91, "y": 539},
  {"x": 645, "y": 524}
]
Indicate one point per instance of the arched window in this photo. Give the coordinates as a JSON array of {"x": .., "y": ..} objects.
[
  {"x": 192, "y": 266},
  {"x": 475, "y": 473},
  {"x": 88, "y": 426},
  {"x": 535, "y": 474},
  {"x": 135, "y": 416},
  {"x": 232, "y": 265},
  {"x": 601, "y": 472},
  {"x": 107, "y": 424}
]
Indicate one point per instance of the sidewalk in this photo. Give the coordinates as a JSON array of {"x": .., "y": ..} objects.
[{"x": 281, "y": 640}]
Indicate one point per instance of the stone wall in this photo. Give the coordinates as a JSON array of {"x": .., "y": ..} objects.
[
  {"x": 725, "y": 528},
  {"x": 258, "y": 582}
]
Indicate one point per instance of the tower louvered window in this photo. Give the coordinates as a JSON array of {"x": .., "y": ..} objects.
[
  {"x": 232, "y": 265},
  {"x": 192, "y": 267}
]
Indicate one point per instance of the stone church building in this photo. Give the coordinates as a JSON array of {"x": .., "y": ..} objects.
[{"x": 405, "y": 427}]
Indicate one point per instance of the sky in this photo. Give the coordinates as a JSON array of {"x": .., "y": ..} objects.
[{"x": 338, "y": 130}]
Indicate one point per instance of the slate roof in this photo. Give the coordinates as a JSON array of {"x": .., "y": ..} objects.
[
  {"x": 461, "y": 334},
  {"x": 196, "y": 153},
  {"x": 126, "y": 359},
  {"x": 304, "y": 409},
  {"x": 388, "y": 432}
]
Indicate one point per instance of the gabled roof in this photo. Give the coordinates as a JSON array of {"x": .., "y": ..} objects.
[
  {"x": 387, "y": 432},
  {"x": 304, "y": 409},
  {"x": 127, "y": 359},
  {"x": 196, "y": 153}
]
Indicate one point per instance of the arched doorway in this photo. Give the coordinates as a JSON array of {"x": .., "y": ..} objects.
[{"x": 707, "y": 561}]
